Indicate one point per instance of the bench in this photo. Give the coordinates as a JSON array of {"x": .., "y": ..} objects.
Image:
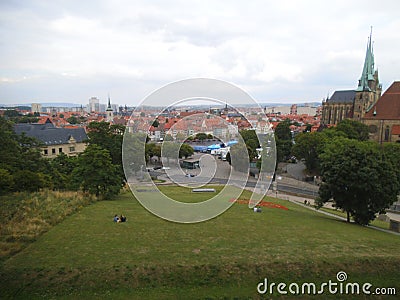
[{"x": 203, "y": 190}]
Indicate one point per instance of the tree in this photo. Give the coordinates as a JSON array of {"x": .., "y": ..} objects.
[
  {"x": 392, "y": 153},
  {"x": 185, "y": 151},
  {"x": 353, "y": 129},
  {"x": 282, "y": 131},
  {"x": 96, "y": 174},
  {"x": 308, "y": 146},
  {"x": 62, "y": 167},
  {"x": 283, "y": 139},
  {"x": 201, "y": 136},
  {"x": 238, "y": 158},
  {"x": 252, "y": 143},
  {"x": 152, "y": 150},
  {"x": 109, "y": 137},
  {"x": 6, "y": 182},
  {"x": 26, "y": 180},
  {"x": 170, "y": 150},
  {"x": 358, "y": 177},
  {"x": 72, "y": 120}
]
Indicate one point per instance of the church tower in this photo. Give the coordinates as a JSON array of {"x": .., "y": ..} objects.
[
  {"x": 109, "y": 111},
  {"x": 369, "y": 89}
]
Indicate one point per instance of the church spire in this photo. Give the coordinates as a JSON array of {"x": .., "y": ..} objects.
[
  {"x": 368, "y": 69},
  {"x": 109, "y": 103}
]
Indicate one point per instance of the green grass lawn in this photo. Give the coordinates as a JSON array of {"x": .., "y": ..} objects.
[
  {"x": 89, "y": 256},
  {"x": 375, "y": 223}
]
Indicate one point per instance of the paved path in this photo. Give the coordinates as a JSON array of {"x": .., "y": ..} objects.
[{"x": 300, "y": 201}]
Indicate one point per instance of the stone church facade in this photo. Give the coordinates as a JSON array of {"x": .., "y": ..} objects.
[
  {"x": 365, "y": 104},
  {"x": 354, "y": 104}
]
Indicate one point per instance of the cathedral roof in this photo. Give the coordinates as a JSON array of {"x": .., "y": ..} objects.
[
  {"x": 388, "y": 106},
  {"x": 346, "y": 96}
]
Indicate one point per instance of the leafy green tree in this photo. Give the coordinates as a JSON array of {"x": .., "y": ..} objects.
[
  {"x": 6, "y": 182},
  {"x": 185, "y": 151},
  {"x": 26, "y": 180},
  {"x": 201, "y": 136},
  {"x": 308, "y": 146},
  {"x": 252, "y": 143},
  {"x": 96, "y": 174},
  {"x": 72, "y": 120},
  {"x": 238, "y": 158},
  {"x": 308, "y": 128},
  {"x": 170, "y": 150},
  {"x": 392, "y": 153},
  {"x": 155, "y": 123},
  {"x": 62, "y": 168},
  {"x": 353, "y": 129},
  {"x": 282, "y": 131},
  {"x": 358, "y": 177},
  {"x": 283, "y": 140},
  {"x": 152, "y": 150},
  {"x": 109, "y": 137},
  {"x": 11, "y": 113},
  {"x": 9, "y": 146}
]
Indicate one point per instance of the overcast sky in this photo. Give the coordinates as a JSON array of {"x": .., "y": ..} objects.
[{"x": 278, "y": 51}]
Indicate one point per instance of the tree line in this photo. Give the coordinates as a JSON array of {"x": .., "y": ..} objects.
[
  {"x": 360, "y": 176},
  {"x": 98, "y": 170}
]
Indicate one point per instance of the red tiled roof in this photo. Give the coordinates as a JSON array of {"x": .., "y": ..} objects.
[{"x": 388, "y": 106}]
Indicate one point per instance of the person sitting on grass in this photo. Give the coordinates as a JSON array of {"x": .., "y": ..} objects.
[
  {"x": 116, "y": 219},
  {"x": 122, "y": 218}
]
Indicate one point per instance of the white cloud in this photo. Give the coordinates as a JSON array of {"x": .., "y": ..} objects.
[{"x": 279, "y": 50}]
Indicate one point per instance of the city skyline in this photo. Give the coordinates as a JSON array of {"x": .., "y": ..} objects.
[{"x": 287, "y": 52}]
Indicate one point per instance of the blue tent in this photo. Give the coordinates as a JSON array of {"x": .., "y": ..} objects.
[
  {"x": 214, "y": 147},
  {"x": 200, "y": 148},
  {"x": 230, "y": 143}
]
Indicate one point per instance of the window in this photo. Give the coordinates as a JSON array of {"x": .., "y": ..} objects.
[
  {"x": 60, "y": 150},
  {"x": 46, "y": 152},
  {"x": 71, "y": 149},
  {"x": 53, "y": 151},
  {"x": 387, "y": 134}
]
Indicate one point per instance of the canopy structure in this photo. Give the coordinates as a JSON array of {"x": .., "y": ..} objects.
[{"x": 214, "y": 147}]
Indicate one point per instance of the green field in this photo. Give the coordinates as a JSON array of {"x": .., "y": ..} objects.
[{"x": 89, "y": 256}]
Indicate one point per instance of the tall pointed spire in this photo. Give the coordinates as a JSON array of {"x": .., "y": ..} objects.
[
  {"x": 109, "y": 103},
  {"x": 368, "y": 69}
]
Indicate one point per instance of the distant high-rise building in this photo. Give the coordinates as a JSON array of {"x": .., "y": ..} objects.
[
  {"x": 94, "y": 104},
  {"x": 36, "y": 108}
]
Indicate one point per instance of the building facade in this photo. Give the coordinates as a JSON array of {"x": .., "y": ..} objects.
[
  {"x": 383, "y": 118},
  {"x": 55, "y": 140}
]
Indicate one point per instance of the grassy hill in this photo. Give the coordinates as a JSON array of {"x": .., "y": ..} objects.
[{"x": 89, "y": 256}]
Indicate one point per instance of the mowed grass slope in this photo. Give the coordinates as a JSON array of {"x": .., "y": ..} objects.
[{"x": 88, "y": 255}]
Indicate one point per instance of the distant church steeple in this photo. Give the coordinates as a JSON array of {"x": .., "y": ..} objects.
[
  {"x": 109, "y": 111},
  {"x": 369, "y": 89},
  {"x": 368, "y": 71}
]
